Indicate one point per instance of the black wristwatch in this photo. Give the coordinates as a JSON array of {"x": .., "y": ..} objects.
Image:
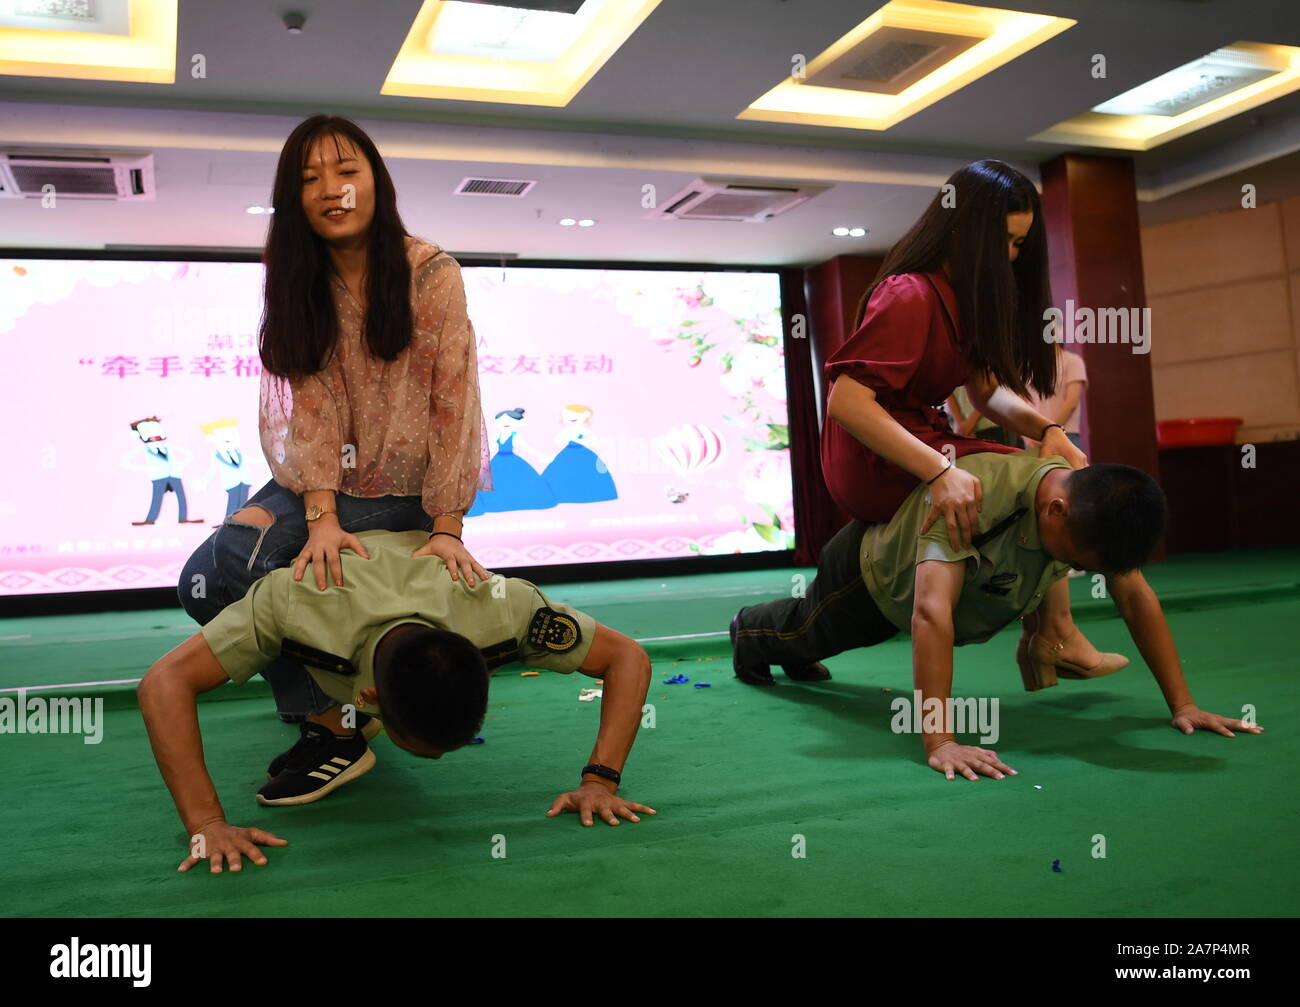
[{"x": 604, "y": 772}]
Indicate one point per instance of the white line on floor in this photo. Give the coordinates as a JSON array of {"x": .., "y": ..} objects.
[
  {"x": 682, "y": 636},
  {"x": 48, "y": 641},
  {"x": 72, "y": 685},
  {"x": 127, "y": 681}
]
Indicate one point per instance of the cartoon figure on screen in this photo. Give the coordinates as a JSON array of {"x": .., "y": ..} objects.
[
  {"x": 577, "y": 474},
  {"x": 223, "y": 437},
  {"x": 164, "y": 463},
  {"x": 515, "y": 483}
]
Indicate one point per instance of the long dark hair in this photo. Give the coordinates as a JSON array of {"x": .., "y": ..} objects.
[
  {"x": 299, "y": 327},
  {"x": 1002, "y": 303}
]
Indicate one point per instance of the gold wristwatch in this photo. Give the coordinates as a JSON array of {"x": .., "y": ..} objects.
[{"x": 315, "y": 512}]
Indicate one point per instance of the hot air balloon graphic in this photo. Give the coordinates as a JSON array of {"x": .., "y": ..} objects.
[{"x": 690, "y": 448}]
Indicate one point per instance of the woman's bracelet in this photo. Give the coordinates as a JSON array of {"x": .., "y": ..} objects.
[
  {"x": 1049, "y": 427},
  {"x": 452, "y": 534},
  {"x": 929, "y": 482}
]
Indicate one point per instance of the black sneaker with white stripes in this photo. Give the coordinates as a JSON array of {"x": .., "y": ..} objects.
[
  {"x": 320, "y": 762},
  {"x": 369, "y": 728}
]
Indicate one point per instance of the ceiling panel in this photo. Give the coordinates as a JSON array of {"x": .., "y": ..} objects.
[{"x": 662, "y": 110}]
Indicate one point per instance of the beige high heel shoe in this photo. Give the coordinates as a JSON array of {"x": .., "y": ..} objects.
[
  {"x": 1040, "y": 664},
  {"x": 1034, "y": 674}
]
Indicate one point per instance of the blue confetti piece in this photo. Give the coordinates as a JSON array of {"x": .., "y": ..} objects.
[
  {"x": 478, "y": 741},
  {"x": 1056, "y": 866},
  {"x": 676, "y": 680},
  {"x": 703, "y": 685}
]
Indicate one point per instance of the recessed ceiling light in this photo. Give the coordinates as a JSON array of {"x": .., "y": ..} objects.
[
  {"x": 840, "y": 232},
  {"x": 586, "y": 222},
  {"x": 127, "y": 40},
  {"x": 1193, "y": 84},
  {"x": 498, "y": 32},
  {"x": 905, "y": 57},
  {"x": 255, "y": 209},
  {"x": 1207, "y": 90},
  {"x": 490, "y": 52},
  {"x": 567, "y": 222},
  {"x": 96, "y": 17},
  {"x": 857, "y": 232}
]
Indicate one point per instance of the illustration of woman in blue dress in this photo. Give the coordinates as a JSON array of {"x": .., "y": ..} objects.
[
  {"x": 515, "y": 484},
  {"x": 576, "y": 473}
]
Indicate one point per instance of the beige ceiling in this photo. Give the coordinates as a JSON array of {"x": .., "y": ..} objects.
[{"x": 661, "y": 111}]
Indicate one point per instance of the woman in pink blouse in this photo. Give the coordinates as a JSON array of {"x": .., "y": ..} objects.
[{"x": 370, "y": 414}]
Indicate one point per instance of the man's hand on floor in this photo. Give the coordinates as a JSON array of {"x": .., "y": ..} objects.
[
  {"x": 968, "y": 760},
  {"x": 222, "y": 840},
  {"x": 593, "y": 799}
]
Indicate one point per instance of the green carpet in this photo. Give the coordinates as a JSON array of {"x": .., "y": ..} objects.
[{"x": 1193, "y": 826}]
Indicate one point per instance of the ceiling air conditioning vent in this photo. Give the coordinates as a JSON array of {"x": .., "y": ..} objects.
[
  {"x": 890, "y": 60},
  {"x": 77, "y": 174},
  {"x": 745, "y": 202},
  {"x": 494, "y": 187}
]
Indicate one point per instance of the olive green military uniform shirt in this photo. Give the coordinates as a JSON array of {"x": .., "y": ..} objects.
[
  {"x": 334, "y": 632},
  {"x": 1007, "y": 569}
]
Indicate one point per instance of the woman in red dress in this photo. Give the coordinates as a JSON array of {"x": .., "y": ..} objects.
[{"x": 960, "y": 300}]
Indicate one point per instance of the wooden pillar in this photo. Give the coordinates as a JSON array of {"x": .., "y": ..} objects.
[
  {"x": 1095, "y": 251},
  {"x": 832, "y": 290}
]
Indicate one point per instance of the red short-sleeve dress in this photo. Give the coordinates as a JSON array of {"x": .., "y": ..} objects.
[{"x": 905, "y": 351}]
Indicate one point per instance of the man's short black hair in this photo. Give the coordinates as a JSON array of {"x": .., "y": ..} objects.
[
  {"x": 433, "y": 686},
  {"x": 1117, "y": 512}
]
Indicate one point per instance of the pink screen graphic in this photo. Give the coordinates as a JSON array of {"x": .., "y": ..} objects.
[{"x": 633, "y": 414}]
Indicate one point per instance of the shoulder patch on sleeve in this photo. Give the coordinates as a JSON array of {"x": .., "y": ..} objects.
[
  {"x": 553, "y": 631},
  {"x": 314, "y": 658}
]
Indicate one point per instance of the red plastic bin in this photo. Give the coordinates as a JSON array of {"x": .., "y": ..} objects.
[{"x": 1201, "y": 432}]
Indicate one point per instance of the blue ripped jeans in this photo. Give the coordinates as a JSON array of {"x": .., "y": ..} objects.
[{"x": 238, "y": 553}]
